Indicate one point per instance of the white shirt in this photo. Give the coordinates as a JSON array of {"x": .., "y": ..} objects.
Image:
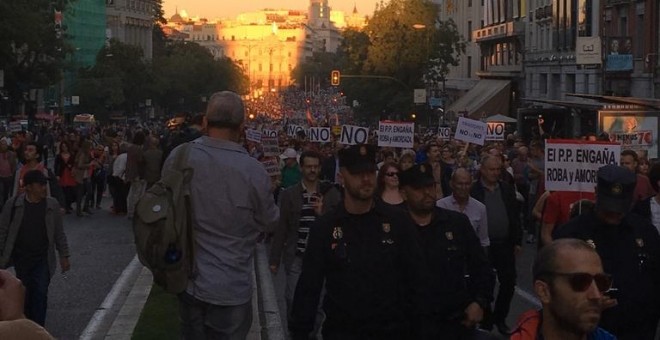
[
  {"x": 119, "y": 166},
  {"x": 655, "y": 213},
  {"x": 476, "y": 213}
]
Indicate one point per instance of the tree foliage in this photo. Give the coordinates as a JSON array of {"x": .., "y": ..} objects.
[
  {"x": 32, "y": 52},
  {"x": 318, "y": 67},
  {"x": 406, "y": 44}
]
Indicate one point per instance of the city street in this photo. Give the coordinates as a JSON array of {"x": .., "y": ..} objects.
[{"x": 101, "y": 247}]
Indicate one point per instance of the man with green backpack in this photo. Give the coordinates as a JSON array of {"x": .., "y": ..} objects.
[{"x": 225, "y": 198}]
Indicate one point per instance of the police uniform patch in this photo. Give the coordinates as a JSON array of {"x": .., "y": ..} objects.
[
  {"x": 640, "y": 242},
  {"x": 386, "y": 227},
  {"x": 449, "y": 235},
  {"x": 337, "y": 233},
  {"x": 617, "y": 189},
  {"x": 591, "y": 243}
]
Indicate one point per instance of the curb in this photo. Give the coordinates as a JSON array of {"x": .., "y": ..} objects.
[
  {"x": 129, "y": 314},
  {"x": 269, "y": 312}
]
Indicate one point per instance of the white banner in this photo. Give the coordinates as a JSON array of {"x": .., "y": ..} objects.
[
  {"x": 396, "y": 134},
  {"x": 352, "y": 135},
  {"x": 320, "y": 134},
  {"x": 272, "y": 166},
  {"x": 495, "y": 131},
  {"x": 444, "y": 132},
  {"x": 253, "y": 135},
  {"x": 269, "y": 133},
  {"x": 292, "y": 130},
  {"x": 270, "y": 146},
  {"x": 471, "y": 131},
  {"x": 572, "y": 165}
]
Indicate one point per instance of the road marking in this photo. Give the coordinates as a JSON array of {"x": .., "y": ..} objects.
[
  {"x": 102, "y": 313},
  {"x": 528, "y": 297}
]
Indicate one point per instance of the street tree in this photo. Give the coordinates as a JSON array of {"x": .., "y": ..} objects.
[
  {"x": 187, "y": 73},
  {"x": 32, "y": 49},
  {"x": 408, "y": 46}
]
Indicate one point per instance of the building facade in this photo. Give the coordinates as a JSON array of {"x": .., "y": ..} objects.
[
  {"x": 131, "y": 22},
  {"x": 268, "y": 44},
  {"x": 500, "y": 38}
]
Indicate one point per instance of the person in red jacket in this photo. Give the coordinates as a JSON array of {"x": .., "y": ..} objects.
[{"x": 570, "y": 282}]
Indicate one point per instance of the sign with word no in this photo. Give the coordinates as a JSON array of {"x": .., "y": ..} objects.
[
  {"x": 444, "y": 132},
  {"x": 471, "y": 131}
]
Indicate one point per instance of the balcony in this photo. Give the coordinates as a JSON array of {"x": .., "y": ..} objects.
[
  {"x": 507, "y": 29},
  {"x": 609, "y": 3}
]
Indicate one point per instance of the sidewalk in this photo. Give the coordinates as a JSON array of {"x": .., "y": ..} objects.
[{"x": 266, "y": 322}]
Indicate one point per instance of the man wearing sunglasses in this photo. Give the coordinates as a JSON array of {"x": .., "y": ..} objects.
[
  {"x": 629, "y": 246},
  {"x": 570, "y": 282}
]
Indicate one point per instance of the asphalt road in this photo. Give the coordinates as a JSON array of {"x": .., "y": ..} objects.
[{"x": 101, "y": 247}]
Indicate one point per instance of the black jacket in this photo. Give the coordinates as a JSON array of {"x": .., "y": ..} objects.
[
  {"x": 372, "y": 267},
  {"x": 512, "y": 208},
  {"x": 328, "y": 169},
  {"x": 631, "y": 254},
  {"x": 457, "y": 270}
]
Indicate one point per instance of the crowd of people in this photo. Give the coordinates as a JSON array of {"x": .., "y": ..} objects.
[{"x": 375, "y": 243}]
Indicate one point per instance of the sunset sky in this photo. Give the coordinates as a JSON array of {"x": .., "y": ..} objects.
[{"x": 211, "y": 9}]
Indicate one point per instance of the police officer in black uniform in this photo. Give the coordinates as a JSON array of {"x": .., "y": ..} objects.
[
  {"x": 629, "y": 246},
  {"x": 369, "y": 259},
  {"x": 460, "y": 278}
]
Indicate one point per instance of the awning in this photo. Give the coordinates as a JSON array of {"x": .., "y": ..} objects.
[
  {"x": 584, "y": 105},
  {"x": 498, "y": 118},
  {"x": 651, "y": 103},
  {"x": 489, "y": 96}
]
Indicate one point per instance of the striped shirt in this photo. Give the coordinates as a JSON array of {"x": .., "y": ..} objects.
[{"x": 307, "y": 218}]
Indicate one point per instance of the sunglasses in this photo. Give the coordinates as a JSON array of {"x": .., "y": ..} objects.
[{"x": 580, "y": 282}]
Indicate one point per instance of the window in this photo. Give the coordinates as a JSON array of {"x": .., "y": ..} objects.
[
  {"x": 570, "y": 83},
  {"x": 638, "y": 43},
  {"x": 469, "y": 3},
  {"x": 543, "y": 83},
  {"x": 469, "y": 67},
  {"x": 469, "y": 30}
]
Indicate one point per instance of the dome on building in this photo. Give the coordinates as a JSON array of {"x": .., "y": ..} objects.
[{"x": 177, "y": 19}]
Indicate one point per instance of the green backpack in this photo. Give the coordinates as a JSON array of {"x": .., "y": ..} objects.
[{"x": 163, "y": 226}]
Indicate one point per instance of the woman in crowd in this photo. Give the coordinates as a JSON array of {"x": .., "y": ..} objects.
[
  {"x": 121, "y": 186},
  {"x": 98, "y": 175},
  {"x": 82, "y": 172},
  {"x": 643, "y": 166},
  {"x": 407, "y": 159},
  {"x": 64, "y": 163},
  {"x": 388, "y": 185}
]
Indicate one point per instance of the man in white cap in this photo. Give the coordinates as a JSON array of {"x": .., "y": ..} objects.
[{"x": 291, "y": 174}]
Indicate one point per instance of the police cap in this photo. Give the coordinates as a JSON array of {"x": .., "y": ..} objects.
[
  {"x": 616, "y": 185},
  {"x": 418, "y": 176},
  {"x": 358, "y": 158}
]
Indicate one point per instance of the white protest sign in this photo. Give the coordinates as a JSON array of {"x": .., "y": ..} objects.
[
  {"x": 396, "y": 134},
  {"x": 495, "y": 131},
  {"x": 272, "y": 167},
  {"x": 15, "y": 126},
  {"x": 270, "y": 146},
  {"x": 320, "y": 134},
  {"x": 253, "y": 135},
  {"x": 269, "y": 133},
  {"x": 471, "y": 131},
  {"x": 444, "y": 132},
  {"x": 293, "y": 130},
  {"x": 572, "y": 165},
  {"x": 352, "y": 135}
]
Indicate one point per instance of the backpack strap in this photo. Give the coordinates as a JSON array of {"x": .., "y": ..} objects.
[{"x": 181, "y": 160}]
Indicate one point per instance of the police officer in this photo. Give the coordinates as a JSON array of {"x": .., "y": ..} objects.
[
  {"x": 461, "y": 281},
  {"x": 369, "y": 259},
  {"x": 629, "y": 247}
]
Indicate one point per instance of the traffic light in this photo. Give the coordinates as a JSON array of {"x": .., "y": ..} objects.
[{"x": 335, "y": 77}]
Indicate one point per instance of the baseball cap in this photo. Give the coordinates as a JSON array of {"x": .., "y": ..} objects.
[
  {"x": 418, "y": 176},
  {"x": 289, "y": 153},
  {"x": 358, "y": 158},
  {"x": 34, "y": 176},
  {"x": 616, "y": 185}
]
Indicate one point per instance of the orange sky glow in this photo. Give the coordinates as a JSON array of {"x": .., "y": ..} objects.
[{"x": 211, "y": 9}]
